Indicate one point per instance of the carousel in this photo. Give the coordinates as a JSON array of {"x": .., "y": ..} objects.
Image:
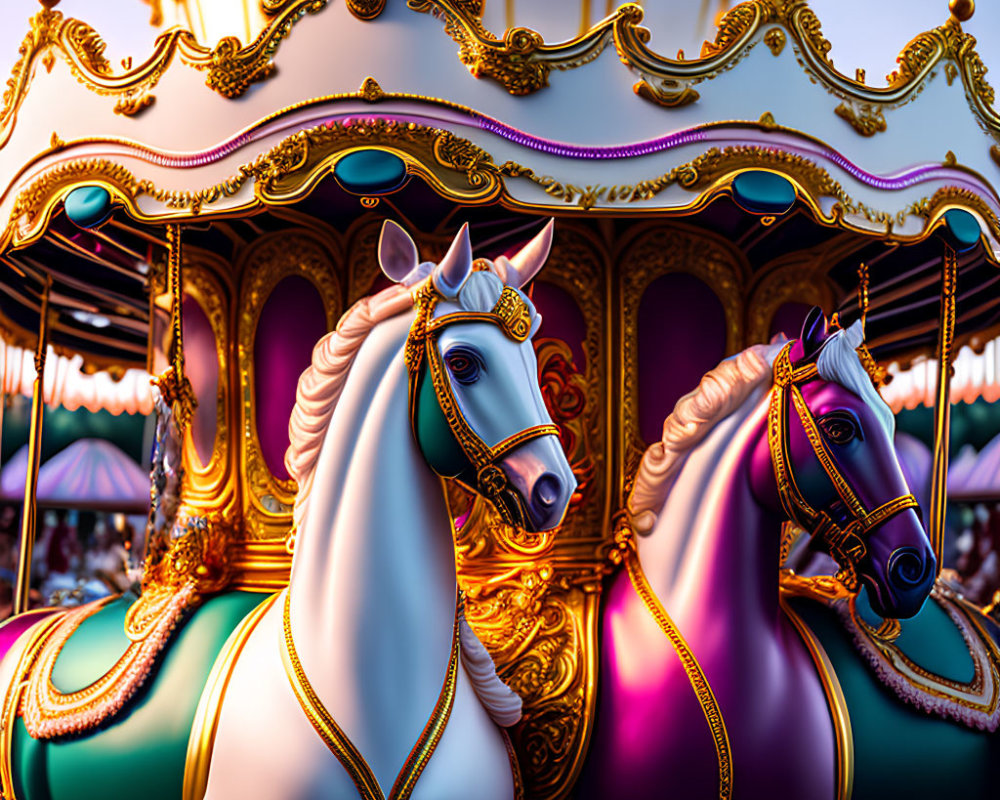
[{"x": 532, "y": 413}]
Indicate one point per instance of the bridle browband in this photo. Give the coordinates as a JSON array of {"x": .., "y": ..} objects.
[
  {"x": 512, "y": 316},
  {"x": 845, "y": 543}
]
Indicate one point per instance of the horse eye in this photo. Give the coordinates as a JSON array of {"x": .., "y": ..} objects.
[
  {"x": 463, "y": 364},
  {"x": 840, "y": 427}
]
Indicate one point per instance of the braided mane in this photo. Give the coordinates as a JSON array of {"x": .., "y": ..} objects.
[{"x": 322, "y": 383}]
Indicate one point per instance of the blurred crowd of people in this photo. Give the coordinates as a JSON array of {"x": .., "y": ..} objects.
[
  {"x": 78, "y": 556},
  {"x": 978, "y": 551}
]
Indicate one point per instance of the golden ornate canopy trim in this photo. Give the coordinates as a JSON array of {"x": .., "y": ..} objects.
[
  {"x": 711, "y": 174},
  {"x": 460, "y": 170},
  {"x": 231, "y": 67},
  {"x": 975, "y": 704},
  {"x": 521, "y": 60},
  {"x": 452, "y": 166}
]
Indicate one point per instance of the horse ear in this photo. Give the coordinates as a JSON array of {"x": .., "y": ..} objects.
[
  {"x": 397, "y": 254},
  {"x": 814, "y": 332},
  {"x": 455, "y": 267},
  {"x": 526, "y": 262}
]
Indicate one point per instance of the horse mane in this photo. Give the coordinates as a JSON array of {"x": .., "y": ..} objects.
[
  {"x": 322, "y": 383},
  {"x": 720, "y": 392},
  {"x": 320, "y": 387}
]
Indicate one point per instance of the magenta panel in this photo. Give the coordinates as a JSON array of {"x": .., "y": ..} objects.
[
  {"x": 561, "y": 319},
  {"x": 682, "y": 335},
  {"x": 201, "y": 364},
  {"x": 292, "y": 320},
  {"x": 788, "y": 319}
]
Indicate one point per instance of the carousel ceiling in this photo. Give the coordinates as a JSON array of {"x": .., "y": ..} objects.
[{"x": 500, "y": 132}]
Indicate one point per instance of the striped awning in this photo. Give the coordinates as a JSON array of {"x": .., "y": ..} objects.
[{"x": 67, "y": 385}]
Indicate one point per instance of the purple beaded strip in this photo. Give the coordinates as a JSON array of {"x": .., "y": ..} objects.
[{"x": 660, "y": 144}]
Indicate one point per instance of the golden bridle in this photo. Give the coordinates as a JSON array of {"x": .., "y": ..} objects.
[
  {"x": 512, "y": 316},
  {"x": 845, "y": 543}
]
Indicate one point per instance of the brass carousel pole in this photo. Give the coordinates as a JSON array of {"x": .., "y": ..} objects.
[
  {"x": 942, "y": 403},
  {"x": 28, "y": 518}
]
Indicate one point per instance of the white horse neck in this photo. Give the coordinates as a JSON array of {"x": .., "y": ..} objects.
[
  {"x": 373, "y": 576},
  {"x": 712, "y": 556}
]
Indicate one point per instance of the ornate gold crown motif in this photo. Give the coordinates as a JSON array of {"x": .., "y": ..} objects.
[{"x": 513, "y": 314}]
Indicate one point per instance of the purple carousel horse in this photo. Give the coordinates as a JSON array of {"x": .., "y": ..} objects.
[{"x": 730, "y": 696}]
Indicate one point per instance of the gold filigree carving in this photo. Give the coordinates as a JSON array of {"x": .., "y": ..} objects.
[
  {"x": 231, "y": 67},
  {"x": 705, "y": 170},
  {"x": 775, "y": 41},
  {"x": 655, "y": 251},
  {"x": 802, "y": 280},
  {"x": 866, "y": 119},
  {"x": 366, "y": 9},
  {"x": 453, "y": 166},
  {"x": 767, "y": 122},
  {"x": 586, "y": 197},
  {"x": 268, "y": 500},
  {"x": 520, "y": 61},
  {"x": 370, "y": 90},
  {"x": 947, "y": 197},
  {"x": 663, "y": 97}
]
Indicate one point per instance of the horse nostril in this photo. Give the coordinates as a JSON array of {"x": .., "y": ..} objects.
[
  {"x": 906, "y": 568},
  {"x": 546, "y": 490}
]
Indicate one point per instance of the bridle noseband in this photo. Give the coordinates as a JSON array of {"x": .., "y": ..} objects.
[
  {"x": 845, "y": 543},
  {"x": 512, "y": 316}
]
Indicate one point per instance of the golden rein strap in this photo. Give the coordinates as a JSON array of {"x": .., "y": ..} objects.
[
  {"x": 845, "y": 544},
  {"x": 511, "y": 315}
]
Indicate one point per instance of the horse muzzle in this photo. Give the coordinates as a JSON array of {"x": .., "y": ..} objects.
[
  {"x": 540, "y": 483},
  {"x": 902, "y": 568}
]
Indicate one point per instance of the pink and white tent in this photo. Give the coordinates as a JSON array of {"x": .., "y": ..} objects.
[{"x": 90, "y": 473}]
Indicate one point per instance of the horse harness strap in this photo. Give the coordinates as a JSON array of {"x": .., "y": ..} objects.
[
  {"x": 338, "y": 742},
  {"x": 846, "y": 543},
  {"x": 625, "y": 541},
  {"x": 512, "y": 316}
]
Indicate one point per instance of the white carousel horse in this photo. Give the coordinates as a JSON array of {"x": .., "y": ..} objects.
[{"x": 369, "y": 616}]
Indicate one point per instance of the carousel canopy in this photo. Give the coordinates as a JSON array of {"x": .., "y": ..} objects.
[
  {"x": 90, "y": 473},
  {"x": 97, "y": 153}
]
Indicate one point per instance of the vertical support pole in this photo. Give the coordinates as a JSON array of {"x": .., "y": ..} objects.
[
  {"x": 29, "y": 516},
  {"x": 942, "y": 403}
]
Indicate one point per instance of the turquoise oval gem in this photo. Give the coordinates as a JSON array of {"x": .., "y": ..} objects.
[
  {"x": 370, "y": 172},
  {"x": 961, "y": 229},
  {"x": 761, "y": 192},
  {"x": 88, "y": 206}
]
